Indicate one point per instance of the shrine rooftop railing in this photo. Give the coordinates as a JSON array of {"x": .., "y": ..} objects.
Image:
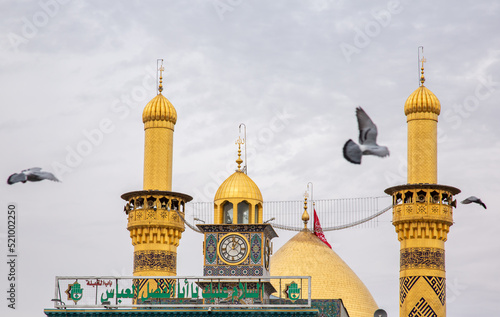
[{"x": 111, "y": 292}]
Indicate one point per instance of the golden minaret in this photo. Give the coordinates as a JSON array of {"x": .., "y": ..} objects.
[
  {"x": 422, "y": 212},
  {"x": 154, "y": 213}
]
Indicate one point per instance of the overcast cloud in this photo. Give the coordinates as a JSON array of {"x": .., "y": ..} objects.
[{"x": 297, "y": 68}]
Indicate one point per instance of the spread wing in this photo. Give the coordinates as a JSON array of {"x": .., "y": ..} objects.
[
  {"x": 352, "y": 152},
  {"x": 33, "y": 169},
  {"x": 482, "y": 204},
  {"x": 473, "y": 199},
  {"x": 15, "y": 178},
  {"x": 468, "y": 200},
  {"x": 44, "y": 175},
  {"x": 367, "y": 129}
]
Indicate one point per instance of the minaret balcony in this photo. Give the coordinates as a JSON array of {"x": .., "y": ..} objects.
[
  {"x": 155, "y": 216},
  {"x": 422, "y": 210}
]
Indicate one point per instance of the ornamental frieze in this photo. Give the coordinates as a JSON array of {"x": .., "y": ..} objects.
[
  {"x": 155, "y": 260},
  {"x": 429, "y": 258}
]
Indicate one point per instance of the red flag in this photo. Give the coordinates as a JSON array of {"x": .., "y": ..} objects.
[{"x": 318, "y": 231}]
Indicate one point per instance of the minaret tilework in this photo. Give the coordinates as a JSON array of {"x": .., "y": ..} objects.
[
  {"x": 422, "y": 212},
  {"x": 159, "y": 117},
  {"x": 155, "y": 213},
  {"x": 422, "y": 109}
]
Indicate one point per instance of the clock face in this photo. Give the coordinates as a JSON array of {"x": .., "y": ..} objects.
[{"x": 233, "y": 249}]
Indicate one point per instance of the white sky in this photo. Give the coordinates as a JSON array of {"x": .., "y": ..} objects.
[{"x": 296, "y": 68}]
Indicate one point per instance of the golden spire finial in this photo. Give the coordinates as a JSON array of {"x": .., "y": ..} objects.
[
  {"x": 160, "y": 86},
  {"x": 421, "y": 60},
  {"x": 245, "y": 168},
  {"x": 160, "y": 69},
  {"x": 239, "y": 160},
  {"x": 422, "y": 78},
  {"x": 305, "y": 215}
]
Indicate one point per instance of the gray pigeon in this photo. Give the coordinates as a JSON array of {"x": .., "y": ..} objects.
[
  {"x": 473, "y": 199},
  {"x": 367, "y": 140},
  {"x": 34, "y": 174}
]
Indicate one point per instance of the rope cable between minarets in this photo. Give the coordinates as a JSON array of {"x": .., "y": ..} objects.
[{"x": 292, "y": 228}]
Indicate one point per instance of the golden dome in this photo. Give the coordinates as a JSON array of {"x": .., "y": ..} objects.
[
  {"x": 422, "y": 100},
  {"x": 159, "y": 109},
  {"x": 331, "y": 278},
  {"x": 238, "y": 186}
]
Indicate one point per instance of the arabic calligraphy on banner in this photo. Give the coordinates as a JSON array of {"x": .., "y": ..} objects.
[
  {"x": 100, "y": 292},
  {"x": 239, "y": 292},
  {"x": 99, "y": 282},
  {"x": 166, "y": 291},
  {"x": 169, "y": 292}
]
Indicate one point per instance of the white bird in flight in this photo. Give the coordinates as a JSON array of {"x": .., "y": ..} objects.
[
  {"x": 367, "y": 140},
  {"x": 34, "y": 174},
  {"x": 473, "y": 199}
]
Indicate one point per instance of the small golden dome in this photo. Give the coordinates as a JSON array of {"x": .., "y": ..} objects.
[
  {"x": 422, "y": 100},
  {"x": 159, "y": 109},
  {"x": 238, "y": 186},
  {"x": 331, "y": 278}
]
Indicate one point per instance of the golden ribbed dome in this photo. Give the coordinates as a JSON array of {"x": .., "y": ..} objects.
[
  {"x": 238, "y": 186},
  {"x": 159, "y": 109},
  {"x": 422, "y": 100},
  {"x": 331, "y": 278}
]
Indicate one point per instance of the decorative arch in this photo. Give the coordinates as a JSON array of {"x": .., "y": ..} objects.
[
  {"x": 227, "y": 212},
  {"x": 258, "y": 213},
  {"x": 243, "y": 212}
]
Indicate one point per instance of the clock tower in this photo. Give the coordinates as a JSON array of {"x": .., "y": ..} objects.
[{"x": 238, "y": 244}]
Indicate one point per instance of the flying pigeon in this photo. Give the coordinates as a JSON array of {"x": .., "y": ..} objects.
[
  {"x": 367, "y": 140},
  {"x": 473, "y": 199},
  {"x": 34, "y": 174}
]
